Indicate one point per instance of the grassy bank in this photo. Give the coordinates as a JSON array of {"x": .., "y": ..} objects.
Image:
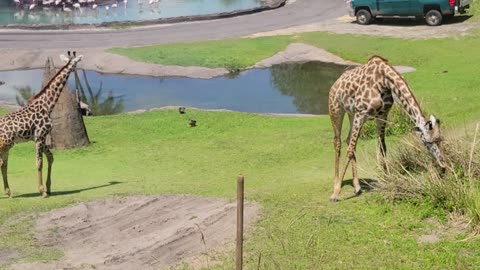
[
  {"x": 288, "y": 167},
  {"x": 288, "y": 164},
  {"x": 445, "y": 76}
]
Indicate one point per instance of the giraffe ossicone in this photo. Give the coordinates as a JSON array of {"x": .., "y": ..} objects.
[
  {"x": 367, "y": 93},
  {"x": 33, "y": 122}
]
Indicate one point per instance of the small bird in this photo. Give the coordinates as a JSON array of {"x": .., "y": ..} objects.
[
  {"x": 77, "y": 6},
  {"x": 181, "y": 110},
  {"x": 32, "y": 6},
  {"x": 66, "y": 9},
  {"x": 192, "y": 123},
  {"x": 94, "y": 6},
  {"x": 114, "y": 5}
]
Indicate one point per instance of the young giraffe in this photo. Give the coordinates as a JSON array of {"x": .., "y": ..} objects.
[
  {"x": 364, "y": 93},
  {"x": 33, "y": 122}
]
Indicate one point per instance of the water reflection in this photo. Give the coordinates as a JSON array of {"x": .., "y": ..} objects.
[
  {"x": 286, "y": 88},
  {"x": 91, "y": 102},
  {"x": 98, "y": 11},
  {"x": 98, "y": 103},
  {"x": 307, "y": 83}
]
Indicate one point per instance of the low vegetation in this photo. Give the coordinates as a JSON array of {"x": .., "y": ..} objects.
[{"x": 413, "y": 176}]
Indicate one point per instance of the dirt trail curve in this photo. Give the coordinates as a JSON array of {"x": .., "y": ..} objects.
[{"x": 142, "y": 232}]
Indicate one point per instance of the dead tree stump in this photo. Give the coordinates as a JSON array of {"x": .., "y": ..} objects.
[{"x": 68, "y": 128}]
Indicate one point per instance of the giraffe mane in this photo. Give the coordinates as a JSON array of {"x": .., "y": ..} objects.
[
  {"x": 401, "y": 78},
  {"x": 33, "y": 98},
  {"x": 378, "y": 57}
]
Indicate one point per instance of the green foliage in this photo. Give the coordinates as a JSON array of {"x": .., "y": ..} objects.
[
  {"x": 97, "y": 106},
  {"x": 399, "y": 123},
  {"x": 24, "y": 93}
]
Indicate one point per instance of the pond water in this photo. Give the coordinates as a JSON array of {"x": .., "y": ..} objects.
[
  {"x": 286, "y": 88},
  {"x": 98, "y": 11}
]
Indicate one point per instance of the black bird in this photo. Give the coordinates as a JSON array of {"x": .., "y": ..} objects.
[
  {"x": 192, "y": 123},
  {"x": 181, "y": 110}
]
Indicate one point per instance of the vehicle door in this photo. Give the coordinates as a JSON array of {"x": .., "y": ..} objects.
[{"x": 393, "y": 7}]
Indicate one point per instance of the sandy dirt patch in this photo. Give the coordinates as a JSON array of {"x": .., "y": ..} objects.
[
  {"x": 299, "y": 52},
  {"x": 100, "y": 60},
  {"x": 437, "y": 231},
  {"x": 141, "y": 232},
  {"x": 391, "y": 28}
]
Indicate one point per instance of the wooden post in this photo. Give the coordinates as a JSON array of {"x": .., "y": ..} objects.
[{"x": 240, "y": 193}]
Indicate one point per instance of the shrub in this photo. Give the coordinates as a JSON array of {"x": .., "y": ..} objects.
[
  {"x": 399, "y": 123},
  {"x": 412, "y": 176}
]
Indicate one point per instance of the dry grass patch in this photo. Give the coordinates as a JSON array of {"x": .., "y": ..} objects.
[{"x": 413, "y": 176}]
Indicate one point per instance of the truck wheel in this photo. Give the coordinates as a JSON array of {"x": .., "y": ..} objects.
[
  {"x": 433, "y": 17},
  {"x": 363, "y": 17}
]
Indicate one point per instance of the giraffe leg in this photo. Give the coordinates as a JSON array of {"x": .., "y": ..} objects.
[
  {"x": 356, "y": 181},
  {"x": 49, "y": 155},
  {"x": 350, "y": 118},
  {"x": 336, "y": 118},
  {"x": 382, "y": 147},
  {"x": 4, "y": 165},
  {"x": 39, "y": 146},
  {"x": 358, "y": 121}
]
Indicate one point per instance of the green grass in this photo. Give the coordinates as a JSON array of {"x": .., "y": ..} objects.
[
  {"x": 288, "y": 168},
  {"x": 287, "y": 162},
  {"x": 232, "y": 54}
]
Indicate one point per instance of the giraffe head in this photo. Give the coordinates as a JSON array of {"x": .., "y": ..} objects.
[
  {"x": 71, "y": 58},
  {"x": 432, "y": 137}
]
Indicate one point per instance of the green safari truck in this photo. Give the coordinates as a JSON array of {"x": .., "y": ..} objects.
[{"x": 433, "y": 11}]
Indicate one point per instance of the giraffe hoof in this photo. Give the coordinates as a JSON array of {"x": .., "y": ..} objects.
[
  {"x": 8, "y": 192},
  {"x": 44, "y": 195},
  {"x": 332, "y": 200},
  {"x": 357, "y": 192}
]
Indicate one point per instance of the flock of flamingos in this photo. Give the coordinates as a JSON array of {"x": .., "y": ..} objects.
[{"x": 69, "y": 6}]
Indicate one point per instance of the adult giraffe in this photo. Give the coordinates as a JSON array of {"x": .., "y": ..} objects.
[
  {"x": 33, "y": 122},
  {"x": 365, "y": 93}
]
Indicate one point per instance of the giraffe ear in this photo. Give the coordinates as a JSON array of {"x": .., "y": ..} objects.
[
  {"x": 64, "y": 58},
  {"x": 433, "y": 120}
]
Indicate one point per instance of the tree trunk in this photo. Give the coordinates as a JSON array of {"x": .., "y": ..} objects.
[{"x": 68, "y": 129}]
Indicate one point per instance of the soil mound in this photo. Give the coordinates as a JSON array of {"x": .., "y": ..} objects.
[{"x": 141, "y": 232}]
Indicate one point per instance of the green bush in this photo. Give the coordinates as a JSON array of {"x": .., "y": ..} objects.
[
  {"x": 413, "y": 176},
  {"x": 399, "y": 123}
]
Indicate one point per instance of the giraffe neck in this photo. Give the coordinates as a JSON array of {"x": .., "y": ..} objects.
[
  {"x": 48, "y": 96},
  {"x": 395, "y": 82}
]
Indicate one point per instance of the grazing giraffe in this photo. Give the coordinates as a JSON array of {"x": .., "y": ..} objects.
[
  {"x": 367, "y": 92},
  {"x": 33, "y": 122}
]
